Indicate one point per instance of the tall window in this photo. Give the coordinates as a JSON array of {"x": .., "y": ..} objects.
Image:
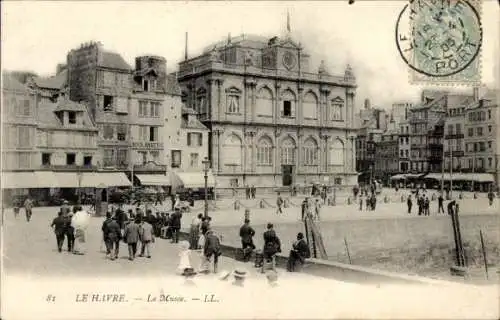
[
  {"x": 479, "y": 131},
  {"x": 310, "y": 152},
  {"x": 109, "y": 157},
  {"x": 121, "y": 132},
  {"x": 143, "y": 157},
  {"x": 336, "y": 153},
  {"x": 155, "y": 156},
  {"x": 122, "y": 157},
  {"x": 23, "y": 137},
  {"x": 201, "y": 98},
  {"x": 153, "y": 134},
  {"x": 46, "y": 159},
  {"x": 24, "y": 108},
  {"x": 336, "y": 109},
  {"x": 143, "y": 108},
  {"x": 264, "y": 103},
  {"x": 143, "y": 133},
  {"x": 108, "y": 103},
  {"x": 288, "y": 152},
  {"x": 233, "y": 103},
  {"x": 175, "y": 157},
  {"x": 265, "y": 152},
  {"x": 23, "y": 160},
  {"x": 288, "y": 104},
  {"x": 194, "y": 139},
  {"x": 193, "y": 160},
  {"x": 310, "y": 106},
  {"x": 232, "y": 150},
  {"x": 70, "y": 158}
]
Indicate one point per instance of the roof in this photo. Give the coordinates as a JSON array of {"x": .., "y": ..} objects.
[
  {"x": 186, "y": 110},
  {"x": 145, "y": 71},
  {"x": 252, "y": 41},
  {"x": 192, "y": 123},
  {"x": 46, "y": 116},
  {"x": 58, "y": 81},
  {"x": 172, "y": 86},
  {"x": 9, "y": 82},
  {"x": 68, "y": 105},
  {"x": 113, "y": 60}
]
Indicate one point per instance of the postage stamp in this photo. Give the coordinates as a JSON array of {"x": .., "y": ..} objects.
[{"x": 440, "y": 41}]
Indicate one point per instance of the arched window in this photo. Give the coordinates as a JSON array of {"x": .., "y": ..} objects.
[
  {"x": 233, "y": 100},
  {"x": 265, "y": 152},
  {"x": 336, "y": 153},
  {"x": 288, "y": 151},
  {"x": 232, "y": 150},
  {"x": 310, "y": 152},
  {"x": 288, "y": 104},
  {"x": 264, "y": 103},
  {"x": 310, "y": 106},
  {"x": 337, "y": 109}
]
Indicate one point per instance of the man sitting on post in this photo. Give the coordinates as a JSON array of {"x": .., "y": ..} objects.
[{"x": 299, "y": 253}]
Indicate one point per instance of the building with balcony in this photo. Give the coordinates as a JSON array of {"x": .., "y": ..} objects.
[
  {"x": 454, "y": 143},
  {"x": 273, "y": 120},
  {"x": 387, "y": 157},
  {"x": 404, "y": 146},
  {"x": 427, "y": 121},
  {"x": 127, "y": 105},
  {"x": 481, "y": 140}
]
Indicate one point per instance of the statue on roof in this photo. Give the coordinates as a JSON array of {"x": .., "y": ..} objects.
[
  {"x": 322, "y": 68},
  {"x": 214, "y": 55},
  {"x": 349, "y": 74}
]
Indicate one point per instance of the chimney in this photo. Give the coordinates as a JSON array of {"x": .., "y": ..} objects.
[
  {"x": 60, "y": 67},
  {"x": 476, "y": 93},
  {"x": 367, "y": 103}
]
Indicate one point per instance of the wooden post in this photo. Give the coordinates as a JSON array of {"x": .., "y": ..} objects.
[
  {"x": 347, "y": 250},
  {"x": 483, "y": 248},
  {"x": 459, "y": 238},
  {"x": 455, "y": 238}
]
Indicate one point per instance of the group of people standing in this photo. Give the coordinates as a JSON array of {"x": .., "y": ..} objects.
[
  {"x": 66, "y": 227},
  {"x": 368, "y": 200},
  {"x": 311, "y": 207},
  {"x": 250, "y": 192}
]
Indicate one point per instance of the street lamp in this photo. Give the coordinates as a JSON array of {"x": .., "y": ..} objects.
[{"x": 206, "y": 167}]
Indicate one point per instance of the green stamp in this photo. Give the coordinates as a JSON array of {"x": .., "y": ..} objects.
[{"x": 440, "y": 40}]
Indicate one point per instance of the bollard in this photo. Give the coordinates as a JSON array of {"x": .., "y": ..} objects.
[
  {"x": 237, "y": 205},
  {"x": 247, "y": 214},
  {"x": 402, "y": 198},
  {"x": 348, "y": 200},
  {"x": 475, "y": 195},
  {"x": 261, "y": 204},
  {"x": 386, "y": 199},
  {"x": 286, "y": 203}
]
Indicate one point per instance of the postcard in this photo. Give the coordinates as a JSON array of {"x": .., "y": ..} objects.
[{"x": 250, "y": 159}]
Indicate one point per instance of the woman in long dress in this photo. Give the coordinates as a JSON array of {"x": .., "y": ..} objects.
[{"x": 184, "y": 257}]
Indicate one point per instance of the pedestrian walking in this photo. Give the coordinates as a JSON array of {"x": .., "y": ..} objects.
[
  {"x": 361, "y": 200},
  {"x": 212, "y": 249},
  {"x": 304, "y": 208},
  {"x": 184, "y": 257},
  {"x": 194, "y": 232},
  {"x": 28, "y": 207},
  {"x": 147, "y": 237},
  {"x": 279, "y": 204},
  {"x": 426, "y": 206},
  {"x": 69, "y": 230},
  {"x": 175, "y": 224},
  {"x": 112, "y": 236},
  {"x": 79, "y": 221},
  {"x": 409, "y": 203},
  {"x": 58, "y": 225},
  {"x": 17, "y": 206},
  {"x": 205, "y": 225},
  {"x": 317, "y": 209},
  {"x": 440, "y": 203},
  {"x": 246, "y": 235},
  {"x": 491, "y": 196},
  {"x": 131, "y": 237},
  {"x": 253, "y": 191}
]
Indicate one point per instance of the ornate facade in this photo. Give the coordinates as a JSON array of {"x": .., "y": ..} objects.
[{"x": 273, "y": 122}]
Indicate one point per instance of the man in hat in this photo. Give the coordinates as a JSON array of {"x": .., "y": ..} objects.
[
  {"x": 112, "y": 236},
  {"x": 246, "y": 234},
  {"x": 212, "y": 248},
  {"x": 69, "y": 229},
  {"x": 59, "y": 225},
  {"x": 272, "y": 244},
  {"x": 300, "y": 251},
  {"x": 131, "y": 237},
  {"x": 175, "y": 223},
  {"x": 147, "y": 236}
]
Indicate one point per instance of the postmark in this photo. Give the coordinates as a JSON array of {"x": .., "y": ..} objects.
[{"x": 440, "y": 40}]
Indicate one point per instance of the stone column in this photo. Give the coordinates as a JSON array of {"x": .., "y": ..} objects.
[
  {"x": 277, "y": 149},
  {"x": 300, "y": 104},
  {"x": 212, "y": 110},
  {"x": 277, "y": 100},
  {"x": 220, "y": 108},
  {"x": 218, "y": 164},
  {"x": 298, "y": 151},
  {"x": 353, "y": 153},
  {"x": 249, "y": 105}
]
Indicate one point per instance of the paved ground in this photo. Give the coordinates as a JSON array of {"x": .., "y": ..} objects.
[{"x": 33, "y": 270}]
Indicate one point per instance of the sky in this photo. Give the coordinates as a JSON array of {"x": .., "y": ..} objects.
[{"x": 37, "y": 35}]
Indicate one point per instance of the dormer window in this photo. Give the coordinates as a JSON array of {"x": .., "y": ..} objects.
[
  {"x": 148, "y": 84},
  {"x": 71, "y": 117}
]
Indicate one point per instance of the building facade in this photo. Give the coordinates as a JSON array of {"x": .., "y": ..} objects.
[
  {"x": 404, "y": 146},
  {"x": 481, "y": 135},
  {"x": 387, "y": 157},
  {"x": 272, "y": 121},
  {"x": 19, "y": 117},
  {"x": 400, "y": 111},
  {"x": 127, "y": 105}
]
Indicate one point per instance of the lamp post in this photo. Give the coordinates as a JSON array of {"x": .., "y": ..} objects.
[{"x": 206, "y": 166}]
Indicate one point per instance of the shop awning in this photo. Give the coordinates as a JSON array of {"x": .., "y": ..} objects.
[
  {"x": 437, "y": 176},
  {"x": 478, "y": 177},
  {"x": 398, "y": 177},
  {"x": 154, "y": 179},
  {"x": 46, "y": 179},
  {"x": 192, "y": 180},
  {"x": 104, "y": 179},
  {"x": 18, "y": 180}
]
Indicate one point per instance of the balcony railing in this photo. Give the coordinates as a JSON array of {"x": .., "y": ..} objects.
[
  {"x": 68, "y": 167},
  {"x": 455, "y": 153}
]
